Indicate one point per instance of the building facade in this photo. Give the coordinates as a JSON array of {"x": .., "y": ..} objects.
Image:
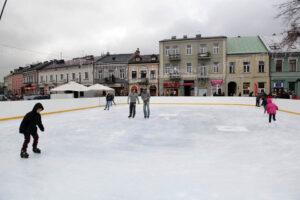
[
  {"x": 143, "y": 73},
  {"x": 60, "y": 72},
  {"x": 284, "y": 65},
  {"x": 247, "y": 70},
  {"x": 17, "y": 81},
  {"x": 112, "y": 71},
  {"x": 192, "y": 66},
  {"x": 8, "y": 84}
]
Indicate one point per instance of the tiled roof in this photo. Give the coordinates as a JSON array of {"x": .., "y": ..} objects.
[
  {"x": 245, "y": 45},
  {"x": 273, "y": 44},
  {"x": 146, "y": 59},
  {"x": 115, "y": 58}
]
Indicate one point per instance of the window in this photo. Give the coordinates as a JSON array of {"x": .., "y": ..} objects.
[
  {"x": 133, "y": 74},
  {"x": 56, "y": 78},
  {"x": 189, "y": 49},
  {"x": 100, "y": 74},
  {"x": 86, "y": 75},
  {"x": 137, "y": 59},
  {"x": 246, "y": 88},
  {"x": 122, "y": 73},
  {"x": 73, "y": 76},
  {"x": 41, "y": 79},
  {"x": 216, "y": 67},
  {"x": 203, "y": 70},
  {"x": 203, "y": 48},
  {"x": 261, "y": 87},
  {"x": 167, "y": 51},
  {"x": 189, "y": 67},
  {"x": 232, "y": 67},
  {"x": 79, "y": 77},
  {"x": 175, "y": 68},
  {"x": 51, "y": 78},
  {"x": 61, "y": 77},
  {"x": 143, "y": 74},
  {"x": 261, "y": 66},
  {"x": 175, "y": 50},
  {"x": 111, "y": 72},
  {"x": 292, "y": 86},
  {"x": 152, "y": 74},
  {"x": 278, "y": 65},
  {"x": 167, "y": 68},
  {"x": 246, "y": 67},
  {"x": 292, "y": 65},
  {"x": 216, "y": 48}
]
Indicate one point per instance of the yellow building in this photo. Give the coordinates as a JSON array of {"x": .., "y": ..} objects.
[
  {"x": 143, "y": 73},
  {"x": 247, "y": 70}
]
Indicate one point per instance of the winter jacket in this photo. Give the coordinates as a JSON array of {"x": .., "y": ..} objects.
[
  {"x": 271, "y": 107},
  {"x": 31, "y": 120},
  {"x": 145, "y": 95},
  {"x": 264, "y": 102},
  {"x": 133, "y": 97},
  {"x": 109, "y": 98}
]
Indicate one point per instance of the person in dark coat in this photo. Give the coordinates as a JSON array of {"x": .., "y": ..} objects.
[
  {"x": 258, "y": 97},
  {"x": 108, "y": 101},
  {"x": 28, "y": 127},
  {"x": 264, "y": 103}
]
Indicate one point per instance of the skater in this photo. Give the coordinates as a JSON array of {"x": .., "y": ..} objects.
[
  {"x": 271, "y": 109},
  {"x": 112, "y": 100},
  {"x": 258, "y": 97},
  {"x": 108, "y": 101},
  {"x": 146, "y": 99},
  {"x": 28, "y": 127},
  {"x": 264, "y": 103},
  {"x": 132, "y": 97}
]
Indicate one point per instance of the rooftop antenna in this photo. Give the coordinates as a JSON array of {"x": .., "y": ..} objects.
[{"x": 3, "y": 9}]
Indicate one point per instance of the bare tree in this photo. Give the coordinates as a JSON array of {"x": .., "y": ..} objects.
[{"x": 290, "y": 13}]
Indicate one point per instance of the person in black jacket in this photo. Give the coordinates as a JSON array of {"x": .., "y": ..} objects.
[
  {"x": 108, "y": 101},
  {"x": 28, "y": 127}
]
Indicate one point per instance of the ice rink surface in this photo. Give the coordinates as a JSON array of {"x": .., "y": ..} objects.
[{"x": 182, "y": 152}]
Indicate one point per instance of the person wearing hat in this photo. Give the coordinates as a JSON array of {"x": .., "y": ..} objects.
[{"x": 28, "y": 128}]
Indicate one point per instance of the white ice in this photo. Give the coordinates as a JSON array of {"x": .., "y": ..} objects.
[{"x": 182, "y": 152}]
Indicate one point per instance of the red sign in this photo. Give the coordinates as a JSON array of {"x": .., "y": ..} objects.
[
  {"x": 188, "y": 84},
  {"x": 214, "y": 82},
  {"x": 30, "y": 88},
  {"x": 176, "y": 85}
]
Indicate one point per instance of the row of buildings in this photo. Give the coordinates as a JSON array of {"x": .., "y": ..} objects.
[{"x": 187, "y": 66}]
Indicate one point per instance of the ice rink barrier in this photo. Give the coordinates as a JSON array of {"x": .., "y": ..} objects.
[{"x": 17, "y": 109}]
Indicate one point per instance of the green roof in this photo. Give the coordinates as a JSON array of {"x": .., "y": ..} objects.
[{"x": 245, "y": 45}]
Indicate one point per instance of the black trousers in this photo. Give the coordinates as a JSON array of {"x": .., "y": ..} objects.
[
  {"x": 27, "y": 140},
  {"x": 270, "y": 117},
  {"x": 132, "y": 109},
  {"x": 257, "y": 103}
]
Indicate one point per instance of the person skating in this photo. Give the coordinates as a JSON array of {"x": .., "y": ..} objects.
[
  {"x": 264, "y": 103},
  {"x": 132, "y": 97},
  {"x": 108, "y": 101},
  {"x": 271, "y": 109},
  {"x": 28, "y": 128},
  {"x": 146, "y": 99},
  {"x": 112, "y": 100},
  {"x": 258, "y": 97}
]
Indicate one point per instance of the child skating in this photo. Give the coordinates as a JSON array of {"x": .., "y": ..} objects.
[
  {"x": 271, "y": 110},
  {"x": 28, "y": 128}
]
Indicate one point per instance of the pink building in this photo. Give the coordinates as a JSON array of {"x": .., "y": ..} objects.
[{"x": 17, "y": 82}]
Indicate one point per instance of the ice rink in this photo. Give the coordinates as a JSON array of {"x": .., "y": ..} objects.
[{"x": 183, "y": 152}]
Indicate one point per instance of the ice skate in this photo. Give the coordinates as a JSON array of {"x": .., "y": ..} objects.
[
  {"x": 24, "y": 154},
  {"x": 36, "y": 150}
]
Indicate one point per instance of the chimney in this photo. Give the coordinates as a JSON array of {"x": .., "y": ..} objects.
[
  {"x": 184, "y": 36},
  {"x": 198, "y": 36}
]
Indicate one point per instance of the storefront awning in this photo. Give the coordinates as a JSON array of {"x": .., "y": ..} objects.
[
  {"x": 176, "y": 85},
  {"x": 214, "y": 82}
]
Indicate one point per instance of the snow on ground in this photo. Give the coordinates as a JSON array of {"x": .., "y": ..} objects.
[{"x": 182, "y": 152}]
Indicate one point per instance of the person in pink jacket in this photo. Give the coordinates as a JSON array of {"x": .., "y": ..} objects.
[{"x": 271, "y": 110}]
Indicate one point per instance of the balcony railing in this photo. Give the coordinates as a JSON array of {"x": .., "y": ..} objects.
[
  {"x": 174, "y": 57},
  {"x": 175, "y": 76},
  {"x": 143, "y": 81},
  {"x": 204, "y": 56}
]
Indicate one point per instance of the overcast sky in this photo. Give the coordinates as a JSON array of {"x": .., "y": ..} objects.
[{"x": 35, "y": 30}]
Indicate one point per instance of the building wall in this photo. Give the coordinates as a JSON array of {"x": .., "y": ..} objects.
[
  {"x": 67, "y": 76},
  {"x": 151, "y": 82},
  {"x": 8, "y": 84},
  {"x": 285, "y": 77},
  {"x": 254, "y": 76},
  {"x": 204, "y": 83},
  {"x": 17, "y": 84}
]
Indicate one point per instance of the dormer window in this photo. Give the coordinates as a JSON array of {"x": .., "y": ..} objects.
[
  {"x": 153, "y": 58},
  {"x": 137, "y": 59}
]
